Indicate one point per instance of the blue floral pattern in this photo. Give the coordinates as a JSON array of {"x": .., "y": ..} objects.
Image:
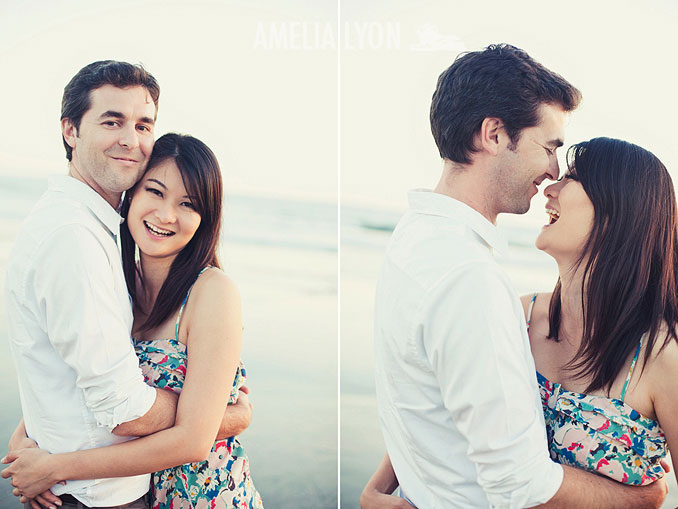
[
  {"x": 223, "y": 480},
  {"x": 601, "y": 435}
]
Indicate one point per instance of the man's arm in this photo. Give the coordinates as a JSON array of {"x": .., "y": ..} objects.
[
  {"x": 236, "y": 419},
  {"x": 585, "y": 490},
  {"x": 579, "y": 489},
  {"x": 160, "y": 416},
  {"x": 87, "y": 321}
]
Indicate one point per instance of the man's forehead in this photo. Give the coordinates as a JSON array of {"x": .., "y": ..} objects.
[
  {"x": 552, "y": 121},
  {"x": 134, "y": 100}
]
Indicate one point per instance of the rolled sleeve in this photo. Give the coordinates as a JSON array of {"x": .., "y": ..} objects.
[
  {"x": 86, "y": 324},
  {"x": 487, "y": 381}
]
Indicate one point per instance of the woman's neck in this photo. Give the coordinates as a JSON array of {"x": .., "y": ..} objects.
[
  {"x": 154, "y": 272},
  {"x": 571, "y": 309}
]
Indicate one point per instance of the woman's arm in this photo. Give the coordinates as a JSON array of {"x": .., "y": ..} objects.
[
  {"x": 19, "y": 439},
  {"x": 377, "y": 492},
  {"x": 664, "y": 373},
  {"x": 214, "y": 338}
]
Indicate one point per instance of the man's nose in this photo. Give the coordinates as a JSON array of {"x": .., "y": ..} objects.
[
  {"x": 554, "y": 169},
  {"x": 129, "y": 138}
]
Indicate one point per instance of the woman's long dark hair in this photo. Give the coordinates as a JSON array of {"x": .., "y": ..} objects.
[
  {"x": 630, "y": 258},
  {"x": 201, "y": 175}
]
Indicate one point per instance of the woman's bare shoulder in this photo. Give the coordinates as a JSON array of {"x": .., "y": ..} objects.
[
  {"x": 215, "y": 283},
  {"x": 541, "y": 304},
  {"x": 664, "y": 356},
  {"x": 213, "y": 293}
]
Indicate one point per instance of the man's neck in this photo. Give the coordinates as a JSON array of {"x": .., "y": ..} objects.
[
  {"x": 467, "y": 185},
  {"x": 113, "y": 199}
]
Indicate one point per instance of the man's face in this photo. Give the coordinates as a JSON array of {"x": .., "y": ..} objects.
[
  {"x": 523, "y": 166},
  {"x": 114, "y": 141}
]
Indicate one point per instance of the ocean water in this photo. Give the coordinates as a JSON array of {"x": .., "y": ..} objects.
[
  {"x": 283, "y": 256},
  {"x": 365, "y": 233}
]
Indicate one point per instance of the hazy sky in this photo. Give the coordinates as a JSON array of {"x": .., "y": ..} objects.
[
  {"x": 269, "y": 114},
  {"x": 620, "y": 54},
  {"x": 257, "y": 80}
]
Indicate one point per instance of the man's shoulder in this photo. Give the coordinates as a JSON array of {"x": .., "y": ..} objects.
[
  {"x": 56, "y": 227},
  {"x": 58, "y": 214},
  {"x": 429, "y": 248}
]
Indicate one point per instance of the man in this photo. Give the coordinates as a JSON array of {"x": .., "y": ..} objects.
[
  {"x": 456, "y": 387},
  {"x": 69, "y": 313}
]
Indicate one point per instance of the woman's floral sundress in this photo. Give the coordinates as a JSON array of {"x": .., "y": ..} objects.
[
  {"x": 601, "y": 435},
  {"x": 223, "y": 480}
]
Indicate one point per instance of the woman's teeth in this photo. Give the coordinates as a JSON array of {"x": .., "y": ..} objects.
[
  {"x": 158, "y": 231},
  {"x": 553, "y": 215}
]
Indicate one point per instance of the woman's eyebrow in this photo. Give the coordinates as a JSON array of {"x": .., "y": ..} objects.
[{"x": 158, "y": 182}]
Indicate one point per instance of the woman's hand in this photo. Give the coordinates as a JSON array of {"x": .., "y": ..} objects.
[
  {"x": 370, "y": 498},
  {"x": 32, "y": 471},
  {"x": 377, "y": 493},
  {"x": 19, "y": 440}
]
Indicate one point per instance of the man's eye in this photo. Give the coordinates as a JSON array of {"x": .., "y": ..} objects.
[
  {"x": 549, "y": 151},
  {"x": 110, "y": 123},
  {"x": 144, "y": 128}
]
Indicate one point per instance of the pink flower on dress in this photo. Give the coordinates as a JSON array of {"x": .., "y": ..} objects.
[
  {"x": 625, "y": 438},
  {"x": 603, "y": 462},
  {"x": 604, "y": 426}
]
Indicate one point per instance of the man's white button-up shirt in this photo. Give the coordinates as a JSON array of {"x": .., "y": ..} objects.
[
  {"x": 456, "y": 386},
  {"x": 70, "y": 320}
]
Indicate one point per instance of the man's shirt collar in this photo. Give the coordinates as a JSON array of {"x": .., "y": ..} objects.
[
  {"x": 81, "y": 192},
  {"x": 425, "y": 201}
]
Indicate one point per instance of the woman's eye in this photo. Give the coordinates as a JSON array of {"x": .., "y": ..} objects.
[
  {"x": 154, "y": 191},
  {"x": 188, "y": 204}
]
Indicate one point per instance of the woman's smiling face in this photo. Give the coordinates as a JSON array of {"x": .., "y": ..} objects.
[
  {"x": 162, "y": 218},
  {"x": 571, "y": 215}
]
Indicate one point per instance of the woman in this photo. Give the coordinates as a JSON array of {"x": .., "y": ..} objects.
[
  {"x": 605, "y": 342},
  {"x": 187, "y": 333}
]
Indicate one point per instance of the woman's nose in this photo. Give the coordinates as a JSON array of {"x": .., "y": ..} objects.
[
  {"x": 552, "y": 190},
  {"x": 166, "y": 213}
]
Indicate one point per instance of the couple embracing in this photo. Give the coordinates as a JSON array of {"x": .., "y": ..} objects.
[
  {"x": 145, "y": 345},
  {"x": 562, "y": 399}
]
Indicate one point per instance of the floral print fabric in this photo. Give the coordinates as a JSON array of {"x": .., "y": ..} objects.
[
  {"x": 223, "y": 481},
  {"x": 601, "y": 435}
]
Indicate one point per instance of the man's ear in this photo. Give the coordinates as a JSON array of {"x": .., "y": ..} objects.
[
  {"x": 69, "y": 132},
  {"x": 491, "y": 135}
]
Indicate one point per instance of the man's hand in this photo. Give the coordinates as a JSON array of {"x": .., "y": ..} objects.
[
  {"x": 665, "y": 462},
  {"x": 237, "y": 417},
  {"x": 657, "y": 492},
  {"x": 46, "y": 499}
]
